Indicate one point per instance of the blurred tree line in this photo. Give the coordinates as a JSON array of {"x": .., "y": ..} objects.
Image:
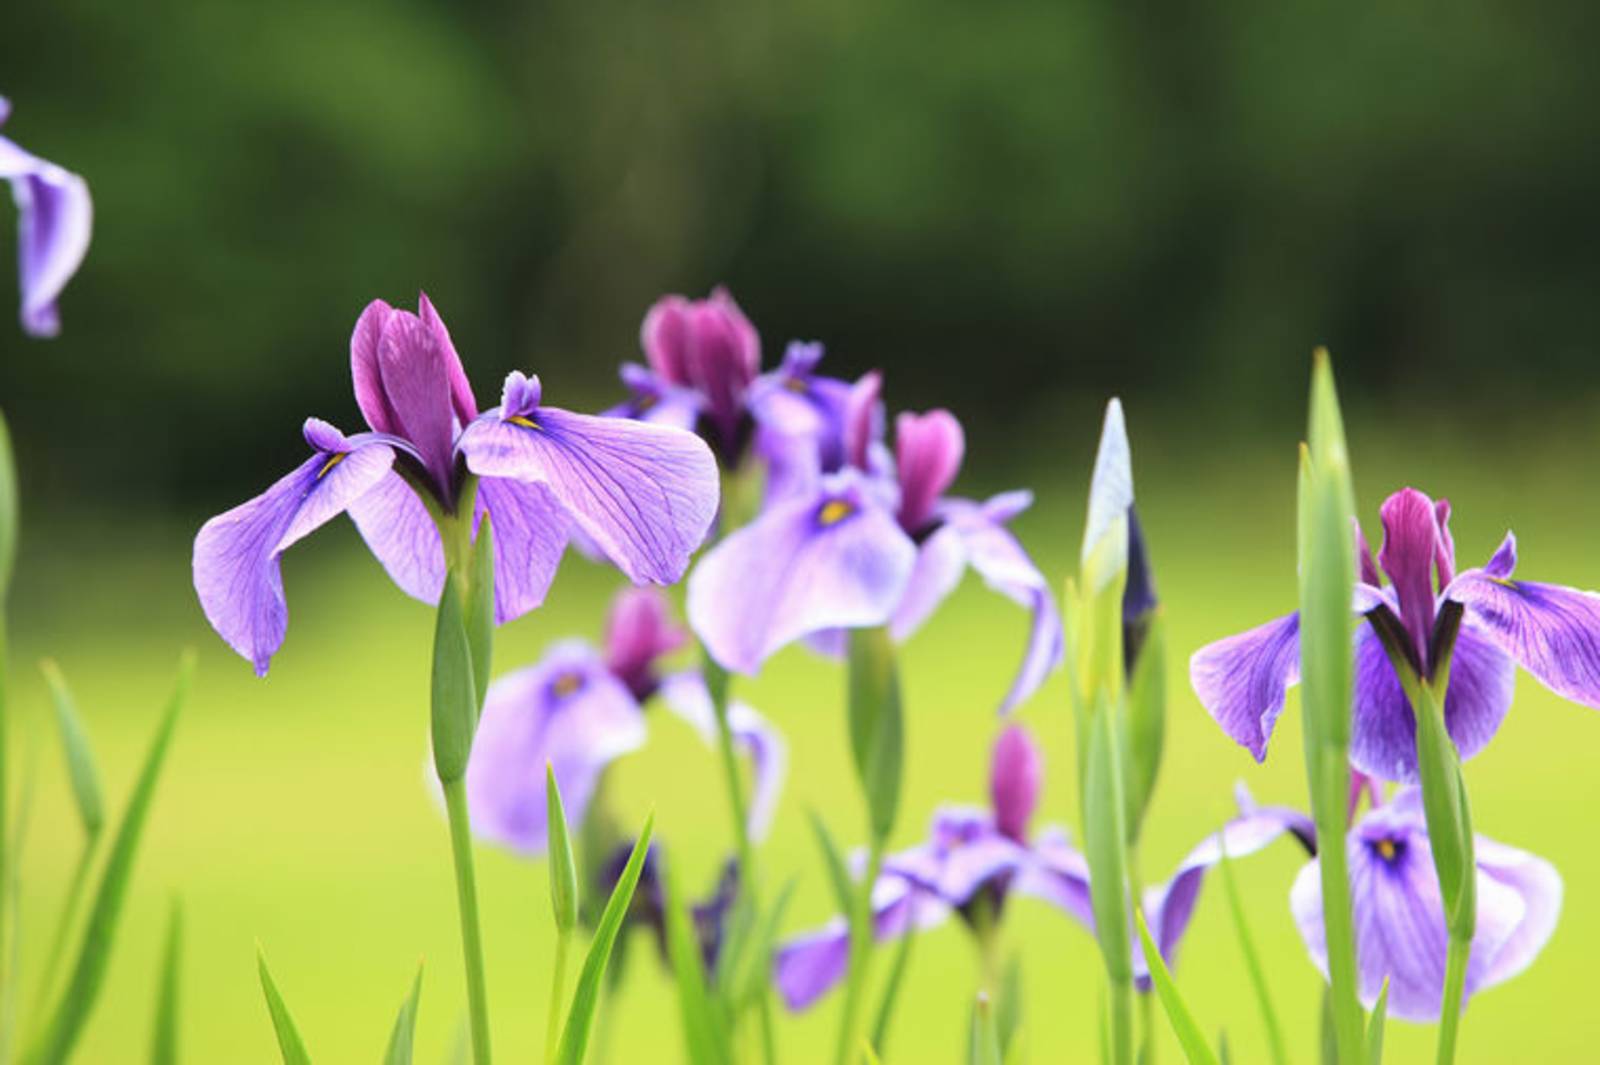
[{"x": 1000, "y": 203}]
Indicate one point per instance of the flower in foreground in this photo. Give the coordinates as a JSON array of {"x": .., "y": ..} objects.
[
  {"x": 579, "y": 709},
  {"x": 874, "y": 542},
  {"x": 1481, "y": 621},
  {"x": 54, "y": 218},
  {"x": 643, "y": 495},
  {"x": 1399, "y": 917}
]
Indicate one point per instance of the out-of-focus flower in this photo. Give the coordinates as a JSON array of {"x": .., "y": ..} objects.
[
  {"x": 643, "y": 495},
  {"x": 54, "y": 219},
  {"x": 1399, "y": 918},
  {"x": 876, "y": 542},
  {"x": 973, "y": 858},
  {"x": 1482, "y": 620},
  {"x": 579, "y": 709},
  {"x": 708, "y": 917}
]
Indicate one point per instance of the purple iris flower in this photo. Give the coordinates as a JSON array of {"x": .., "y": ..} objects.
[
  {"x": 54, "y": 218},
  {"x": 1399, "y": 917},
  {"x": 877, "y": 542},
  {"x": 1481, "y": 619},
  {"x": 579, "y": 709},
  {"x": 708, "y": 917},
  {"x": 643, "y": 495}
]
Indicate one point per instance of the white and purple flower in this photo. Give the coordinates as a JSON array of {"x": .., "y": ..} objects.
[
  {"x": 875, "y": 541},
  {"x": 54, "y": 220},
  {"x": 579, "y": 709},
  {"x": 1481, "y": 620},
  {"x": 643, "y": 495}
]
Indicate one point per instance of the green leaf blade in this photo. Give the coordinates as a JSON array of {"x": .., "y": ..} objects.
[
  {"x": 454, "y": 689},
  {"x": 704, "y": 1038},
  {"x": 164, "y": 1041},
  {"x": 586, "y": 998},
  {"x": 403, "y": 1033},
  {"x": 563, "y": 866},
  {"x": 87, "y": 792},
  {"x": 1193, "y": 1041},
  {"x": 877, "y": 728},
  {"x": 290, "y": 1046}
]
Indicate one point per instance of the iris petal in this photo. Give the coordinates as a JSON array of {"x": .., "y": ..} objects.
[
  {"x": 1551, "y": 631},
  {"x": 530, "y": 533},
  {"x": 1242, "y": 680},
  {"x": 55, "y": 216},
  {"x": 400, "y": 532}
]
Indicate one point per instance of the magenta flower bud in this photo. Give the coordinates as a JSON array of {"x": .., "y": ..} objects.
[
  {"x": 640, "y": 630},
  {"x": 1015, "y": 775},
  {"x": 707, "y": 345},
  {"x": 928, "y": 450}
]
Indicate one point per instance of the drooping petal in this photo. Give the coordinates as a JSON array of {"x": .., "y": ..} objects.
[
  {"x": 1242, "y": 680},
  {"x": 964, "y": 853},
  {"x": 1059, "y": 874},
  {"x": 941, "y": 563},
  {"x": 928, "y": 451},
  {"x": 567, "y": 711},
  {"x": 997, "y": 557},
  {"x": 530, "y": 533},
  {"x": 643, "y": 494},
  {"x": 400, "y": 532},
  {"x": 1399, "y": 918},
  {"x": 807, "y": 967},
  {"x": 1551, "y": 631},
  {"x": 236, "y": 572},
  {"x": 1169, "y": 907},
  {"x": 1383, "y": 734},
  {"x": 687, "y": 696},
  {"x": 833, "y": 560},
  {"x": 1016, "y": 773},
  {"x": 1538, "y": 885},
  {"x": 1410, "y": 548},
  {"x": 54, "y": 218}
]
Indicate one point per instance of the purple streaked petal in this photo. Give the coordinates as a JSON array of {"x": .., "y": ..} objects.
[
  {"x": 1444, "y": 553},
  {"x": 1242, "y": 680},
  {"x": 414, "y": 366},
  {"x": 1383, "y": 736},
  {"x": 644, "y": 494},
  {"x": 461, "y": 398},
  {"x": 365, "y": 374},
  {"x": 1059, "y": 874},
  {"x": 928, "y": 452},
  {"x": 530, "y": 532},
  {"x": 55, "y": 216},
  {"x": 236, "y": 572},
  {"x": 1016, "y": 773},
  {"x": 686, "y": 695},
  {"x": 1504, "y": 560},
  {"x": 567, "y": 711},
  {"x": 1410, "y": 548},
  {"x": 1400, "y": 931},
  {"x": 833, "y": 560},
  {"x": 1551, "y": 631},
  {"x": 400, "y": 532}
]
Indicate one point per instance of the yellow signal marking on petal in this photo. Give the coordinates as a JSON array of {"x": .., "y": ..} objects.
[
  {"x": 567, "y": 683},
  {"x": 333, "y": 460},
  {"x": 1386, "y": 849},
  {"x": 526, "y": 423},
  {"x": 834, "y": 511},
  {"x": 796, "y": 384}
]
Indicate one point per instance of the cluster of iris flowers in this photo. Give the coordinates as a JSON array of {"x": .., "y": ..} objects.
[{"x": 818, "y": 520}]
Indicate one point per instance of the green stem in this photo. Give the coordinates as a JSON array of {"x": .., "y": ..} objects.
[
  {"x": 1455, "y": 981},
  {"x": 1147, "y": 1001},
  {"x": 850, "y": 1029},
  {"x": 558, "y": 990},
  {"x": 1330, "y": 795},
  {"x": 1252, "y": 960},
  {"x": 1121, "y": 1020},
  {"x": 455, "y": 801},
  {"x": 69, "y": 909},
  {"x": 717, "y": 683}
]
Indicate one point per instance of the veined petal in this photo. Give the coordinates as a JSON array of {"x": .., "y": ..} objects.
[
  {"x": 54, "y": 218},
  {"x": 530, "y": 533},
  {"x": 365, "y": 374},
  {"x": 644, "y": 494},
  {"x": 1383, "y": 736},
  {"x": 567, "y": 711},
  {"x": 1242, "y": 680},
  {"x": 398, "y": 529},
  {"x": 1551, "y": 631},
  {"x": 1408, "y": 553},
  {"x": 461, "y": 398},
  {"x": 236, "y": 572},
  {"x": 686, "y": 695},
  {"x": 833, "y": 560},
  {"x": 415, "y": 365}
]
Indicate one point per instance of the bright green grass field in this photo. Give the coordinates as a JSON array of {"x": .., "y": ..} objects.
[{"x": 295, "y": 811}]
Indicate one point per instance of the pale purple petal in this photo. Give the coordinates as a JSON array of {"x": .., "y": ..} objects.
[
  {"x": 1538, "y": 885},
  {"x": 941, "y": 563},
  {"x": 1383, "y": 736},
  {"x": 530, "y": 532},
  {"x": 1059, "y": 874},
  {"x": 401, "y": 533},
  {"x": 654, "y": 399},
  {"x": 1242, "y": 680},
  {"x": 964, "y": 853},
  {"x": 644, "y": 494},
  {"x": 835, "y": 560},
  {"x": 54, "y": 219},
  {"x": 236, "y": 571},
  {"x": 687, "y": 696},
  {"x": 1551, "y": 631},
  {"x": 567, "y": 711}
]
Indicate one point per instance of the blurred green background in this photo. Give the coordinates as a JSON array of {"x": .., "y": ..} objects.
[{"x": 1174, "y": 202}]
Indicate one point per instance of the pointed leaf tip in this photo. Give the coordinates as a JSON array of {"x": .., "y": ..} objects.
[{"x": 563, "y": 867}]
